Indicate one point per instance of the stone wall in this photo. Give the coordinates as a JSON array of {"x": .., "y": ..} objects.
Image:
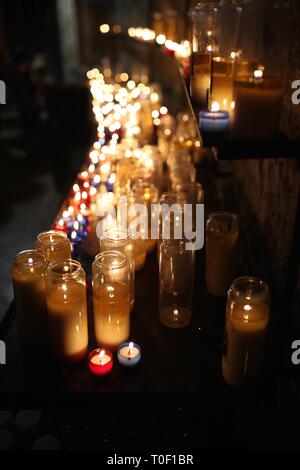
[{"x": 271, "y": 189}]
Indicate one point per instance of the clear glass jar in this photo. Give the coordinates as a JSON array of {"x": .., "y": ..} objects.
[
  {"x": 176, "y": 280},
  {"x": 111, "y": 296},
  {"x": 54, "y": 245},
  {"x": 225, "y": 54},
  {"x": 171, "y": 213},
  {"x": 203, "y": 26},
  {"x": 67, "y": 310},
  {"x": 193, "y": 192},
  {"x": 134, "y": 217},
  {"x": 247, "y": 319},
  {"x": 28, "y": 275},
  {"x": 181, "y": 156},
  {"x": 260, "y": 68},
  {"x": 182, "y": 173},
  {"x": 148, "y": 194},
  {"x": 222, "y": 233},
  {"x": 152, "y": 164},
  {"x": 164, "y": 135},
  {"x": 194, "y": 196},
  {"x": 118, "y": 239},
  {"x": 185, "y": 136}
]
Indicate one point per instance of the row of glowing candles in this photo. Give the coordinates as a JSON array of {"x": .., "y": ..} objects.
[
  {"x": 221, "y": 237},
  {"x": 50, "y": 288},
  {"x": 220, "y": 112},
  {"x": 50, "y": 296},
  {"x": 221, "y": 243},
  {"x": 182, "y": 50},
  {"x": 216, "y": 118},
  {"x": 125, "y": 116}
]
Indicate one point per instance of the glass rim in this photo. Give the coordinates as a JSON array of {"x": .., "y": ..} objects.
[
  {"x": 54, "y": 267},
  {"x": 251, "y": 281},
  {"x": 228, "y": 214},
  {"x": 144, "y": 184},
  {"x": 190, "y": 185},
  {"x": 99, "y": 260},
  {"x": 27, "y": 254},
  {"x": 107, "y": 235},
  {"x": 173, "y": 194},
  {"x": 58, "y": 233},
  {"x": 175, "y": 244},
  {"x": 204, "y": 6},
  {"x": 97, "y": 351}
]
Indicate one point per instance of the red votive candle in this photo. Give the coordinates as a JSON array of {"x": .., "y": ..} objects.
[{"x": 100, "y": 362}]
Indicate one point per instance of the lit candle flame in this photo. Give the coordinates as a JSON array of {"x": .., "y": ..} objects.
[
  {"x": 130, "y": 348},
  {"x": 215, "y": 107},
  {"x": 101, "y": 355},
  {"x": 258, "y": 74},
  {"x": 30, "y": 262},
  {"x": 247, "y": 309}
]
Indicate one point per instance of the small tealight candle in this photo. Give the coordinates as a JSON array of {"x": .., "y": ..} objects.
[
  {"x": 100, "y": 362},
  {"x": 129, "y": 354}
]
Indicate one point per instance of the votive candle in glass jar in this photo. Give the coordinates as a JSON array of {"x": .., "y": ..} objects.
[
  {"x": 111, "y": 296},
  {"x": 136, "y": 231},
  {"x": 147, "y": 193},
  {"x": 118, "y": 239},
  {"x": 67, "y": 310},
  {"x": 221, "y": 252},
  {"x": 182, "y": 173},
  {"x": 203, "y": 28},
  {"x": 54, "y": 245},
  {"x": 176, "y": 280},
  {"x": 28, "y": 275},
  {"x": 152, "y": 164},
  {"x": 247, "y": 319}
]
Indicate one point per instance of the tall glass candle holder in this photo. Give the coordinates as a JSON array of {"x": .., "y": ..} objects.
[
  {"x": 171, "y": 211},
  {"x": 225, "y": 54},
  {"x": 194, "y": 194},
  {"x": 28, "y": 275},
  {"x": 203, "y": 25},
  {"x": 152, "y": 164},
  {"x": 111, "y": 295},
  {"x": 182, "y": 173},
  {"x": 181, "y": 156},
  {"x": 147, "y": 193},
  {"x": 54, "y": 245},
  {"x": 118, "y": 239},
  {"x": 221, "y": 252},
  {"x": 247, "y": 319},
  {"x": 176, "y": 280},
  {"x": 139, "y": 239},
  {"x": 67, "y": 310}
]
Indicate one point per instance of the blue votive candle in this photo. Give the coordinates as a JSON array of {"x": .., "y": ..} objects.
[
  {"x": 129, "y": 354},
  {"x": 214, "y": 121}
]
